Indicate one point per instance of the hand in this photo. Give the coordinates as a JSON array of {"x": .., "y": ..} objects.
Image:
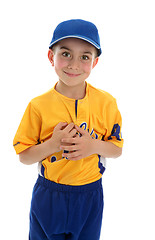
[
  {"x": 62, "y": 130},
  {"x": 78, "y": 147}
]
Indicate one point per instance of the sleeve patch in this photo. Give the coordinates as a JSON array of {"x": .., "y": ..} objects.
[{"x": 115, "y": 132}]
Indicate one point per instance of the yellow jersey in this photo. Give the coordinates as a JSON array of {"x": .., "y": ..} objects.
[{"x": 97, "y": 113}]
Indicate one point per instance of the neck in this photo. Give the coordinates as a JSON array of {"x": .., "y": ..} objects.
[{"x": 74, "y": 92}]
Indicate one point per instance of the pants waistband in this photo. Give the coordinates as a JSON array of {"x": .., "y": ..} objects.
[{"x": 68, "y": 188}]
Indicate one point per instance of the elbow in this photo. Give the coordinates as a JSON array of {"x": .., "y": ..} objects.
[
  {"x": 23, "y": 158},
  {"x": 118, "y": 152},
  {"x": 27, "y": 157}
]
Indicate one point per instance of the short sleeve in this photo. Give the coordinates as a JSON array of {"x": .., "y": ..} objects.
[
  {"x": 114, "y": 125},
  {"x": 28, "y": 132}
]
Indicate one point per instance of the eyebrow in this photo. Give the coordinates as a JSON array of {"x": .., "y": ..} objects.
[
  {"x": 88, "y": 53},
  {"x": 66, "y": 48}
]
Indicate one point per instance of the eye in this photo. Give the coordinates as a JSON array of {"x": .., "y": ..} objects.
[
  {"x": 66, "y": 54},
  {"x": 85, "y": 57}
]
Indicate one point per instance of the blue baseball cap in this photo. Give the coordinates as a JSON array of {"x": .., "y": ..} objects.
[{"x": 77, "y": 28}]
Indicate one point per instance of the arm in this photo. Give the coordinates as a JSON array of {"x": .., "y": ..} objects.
[
  {"x": 107, "y": 149},
  {"x": 38, "y": 152},
  {"x": 85, "y": 146}
]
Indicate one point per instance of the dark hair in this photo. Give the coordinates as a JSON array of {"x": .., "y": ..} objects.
[{"x": 96, "y": 55}]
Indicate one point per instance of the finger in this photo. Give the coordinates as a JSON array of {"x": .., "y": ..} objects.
[
  {"x": 72, "y": 133},
  {"x": 80, "y": 130},
  {"x": 70, "y": 148},
  {"x": 69, "y": 140},
  {"x": 69, "y": 127},
  {"x": 61, "y": 125}
]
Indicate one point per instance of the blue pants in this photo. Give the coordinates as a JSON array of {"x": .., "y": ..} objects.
[{"x": 61, "y": 212}]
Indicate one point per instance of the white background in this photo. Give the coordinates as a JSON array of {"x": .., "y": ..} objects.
[{"x": 126, "y": 69}]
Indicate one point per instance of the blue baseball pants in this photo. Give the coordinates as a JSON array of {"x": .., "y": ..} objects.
[{"x": 63, "y": 212}]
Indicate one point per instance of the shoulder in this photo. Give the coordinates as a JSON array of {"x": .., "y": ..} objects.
[
  {"x": 42, "y": 99},
  {"x": 100, "y": 95},
  {"x": 40, "y": 104}
]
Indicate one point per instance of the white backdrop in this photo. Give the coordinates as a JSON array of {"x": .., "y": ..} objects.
[{"x": 126, "y": 69}]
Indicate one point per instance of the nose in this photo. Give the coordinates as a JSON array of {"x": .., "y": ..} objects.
[{"x": 74, "y": 64}]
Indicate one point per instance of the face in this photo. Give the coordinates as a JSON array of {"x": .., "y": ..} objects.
[{"x": 73, "y": 60}]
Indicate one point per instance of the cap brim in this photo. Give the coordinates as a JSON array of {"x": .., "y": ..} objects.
[{"x": 79, "y": 37}]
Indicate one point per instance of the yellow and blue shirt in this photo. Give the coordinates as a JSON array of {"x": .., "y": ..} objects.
[{"x": 97, "y": 113}]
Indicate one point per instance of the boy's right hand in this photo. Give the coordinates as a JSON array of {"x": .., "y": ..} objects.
[
  {"x": 41, "y": 151},
  {"x": 62, "y": 130}
]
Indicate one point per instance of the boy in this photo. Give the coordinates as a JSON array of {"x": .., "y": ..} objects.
[{"x": 66, "y": 131}]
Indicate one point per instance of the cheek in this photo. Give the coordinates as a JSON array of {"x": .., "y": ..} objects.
[
  {"x": 87, "y": 68},
  {"x": 59, "y": 63}
]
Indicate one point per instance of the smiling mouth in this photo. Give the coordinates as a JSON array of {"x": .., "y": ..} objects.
[{"x": 72, "y": 74}]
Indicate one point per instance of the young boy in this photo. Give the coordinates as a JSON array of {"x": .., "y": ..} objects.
[{"x": 69, "y": 131}]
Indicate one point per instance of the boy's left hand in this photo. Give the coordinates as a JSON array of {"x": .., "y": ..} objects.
[{"x": 78, "y": 147}]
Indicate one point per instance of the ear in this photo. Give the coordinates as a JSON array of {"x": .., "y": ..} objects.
[
  {"x": 51, "y": 56},
  {"x": 95, "y": 62}
]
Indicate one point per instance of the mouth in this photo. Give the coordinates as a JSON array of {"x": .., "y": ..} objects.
[{"x": 72, "y": 74}]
